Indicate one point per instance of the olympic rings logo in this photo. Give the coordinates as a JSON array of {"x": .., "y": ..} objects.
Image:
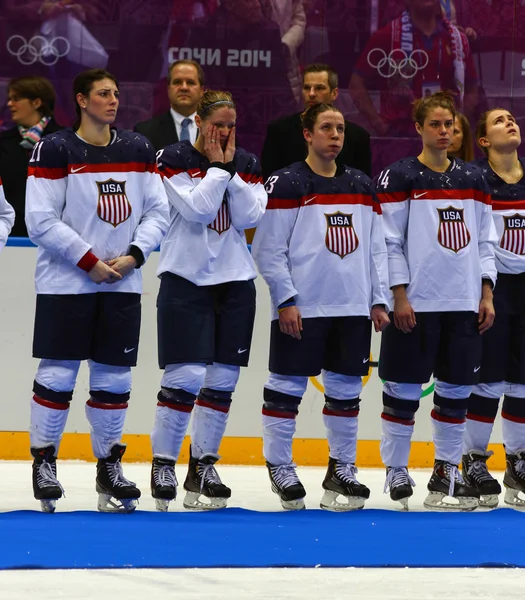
[
  {"x": 38, "y": 48},
  {"x": 397, "y": 61}
]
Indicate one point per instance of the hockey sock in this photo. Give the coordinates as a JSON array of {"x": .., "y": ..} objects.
[
  {"x": 481, "y": 414},
  {"x": 448, "y": 426},
  {"x": 106, "y": 412},
  {"x": 171, "y": 421},
  {"x": 340, "y": 421},
  {"x": 513, "y": 424},
  {"x": 278, "y": 419},
  {"x": 397, "y": 423},
  {"x": 49, "y": 412},
  {"x": 210, "y": 417}
]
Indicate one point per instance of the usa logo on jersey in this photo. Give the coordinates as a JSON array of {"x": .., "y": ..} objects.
[
  {"x": 222, "y": 221},
  {"x": 341, "y": 238},
  {"x": 513, "y": 238},
  {"x": 113, "y": 204},
  {"x": 452, "y": 232}
]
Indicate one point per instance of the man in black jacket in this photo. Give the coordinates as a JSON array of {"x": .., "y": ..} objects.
[
  {"x": 31, "y": 101},
  {"x": 185, "y": 89},
  {"x": 284, "y": 143}
]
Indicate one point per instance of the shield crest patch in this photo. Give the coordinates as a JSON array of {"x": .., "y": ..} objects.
[
  {"x": 222, "y": 221},
  {"x": 513, "y": 238},
  {"x": 341, "y": 238},
  {"x": 452, "y": 231},
  {"x": 113, "y": 204}
]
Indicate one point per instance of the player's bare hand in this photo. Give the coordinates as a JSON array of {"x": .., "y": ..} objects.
[
  {"x": 404, "y": 315},
  {"x": 212, "y": 145},
  {"x": 290, "y": 322},
  {"x": 379, "y": 317},
  {"x": 103, "y": 273},
  {"x": 229, "y": 151},
  {"x": 486, "y": 316},
  {"x": 122, "y": 264}
]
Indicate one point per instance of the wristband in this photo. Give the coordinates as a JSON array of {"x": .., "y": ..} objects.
[
  {"x": 87, "y": 262},
  {"x": 136, "y": 253},
  {"x": 285, "y": 304}
]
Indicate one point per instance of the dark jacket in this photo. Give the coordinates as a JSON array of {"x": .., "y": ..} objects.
[
  {"x": 13, "y": 172},
  {"x": 285, "y": 144},
  {"x": 160, "y": 130}
]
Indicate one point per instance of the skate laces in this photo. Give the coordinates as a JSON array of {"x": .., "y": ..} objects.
[
  {"x": 285, "y": 475},
  {"x": 453, "y": 474},
  {"x": 519, "y": 465},
  {"x": 478, "y": 469},
  {"x": 46, "y": 477},
  {"x": 116, "y": 474},
  {"x": 209, "y": 475},
  {"x": 165, "y": 476},
  {"x": 397, "y": 476},
  {"x": 346, "y": 472}
]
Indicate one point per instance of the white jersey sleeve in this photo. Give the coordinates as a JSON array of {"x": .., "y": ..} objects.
[
  {"x": 247, "y": 197},
  {"x": 195, "y": 203},
  {"x": 488, "y": 240},
  {"x": 155, "y": 219},
  {"x": 46, "y": 200},
  {"x": 394, "y": 190},
  {"x": 270, "y": 246},
  {"x": 379, "y": 263},
  {"x": 7, "y": 217}
]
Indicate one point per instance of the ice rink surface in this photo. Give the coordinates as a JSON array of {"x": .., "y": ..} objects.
[{"x": 250, "y": 490}]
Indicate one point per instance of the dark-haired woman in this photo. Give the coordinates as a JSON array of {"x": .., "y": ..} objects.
[
  {"x": 503, "y": 364},
  {"x": 206, "y": 303},
  {"x": 461, "y": 145},
  {"x": 440, "y": 239},
  {"x": 96, "y": 208},
  {"x": 31, "y": 101},
  {"x": 321, "y": 249}
]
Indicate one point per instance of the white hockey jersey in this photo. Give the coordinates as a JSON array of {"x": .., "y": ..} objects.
[
  {"x": 209, "y": 210},
  {"x": 321, "y": 242},
  {"x": 7, "y": 218},
  {"x": 439, "y": 233},
  {"x": 508, "y": 210},
  {"x": 101, "y": 199}
]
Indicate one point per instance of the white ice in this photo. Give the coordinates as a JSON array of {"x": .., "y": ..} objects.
[{"x": 251, "y": 490}]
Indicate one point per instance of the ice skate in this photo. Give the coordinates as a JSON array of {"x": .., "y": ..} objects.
[
  {"x": 115, "y": 492},
  {"x": 287, "y": 486},
  {"x": 476, "y": 474},
  {"x": 448, "y": 491},
  {"x": 340, "y": 482},
  {"x": 514, "y": 479},
  {"x": 204, "y": 488},
  {"x": 46, "y": 486},
  {"x": 163, "y": 482},
  {"x": 399, "y": 484}
]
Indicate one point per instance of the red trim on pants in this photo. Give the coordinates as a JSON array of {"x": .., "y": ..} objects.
[
  {"x": 49, "y": 404},
  {"x": 105, "y": 405}
]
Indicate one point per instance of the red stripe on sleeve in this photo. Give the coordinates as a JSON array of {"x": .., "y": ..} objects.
[
  {"x": 47, "y": 172},
  {"x": 250, "y": 177}
]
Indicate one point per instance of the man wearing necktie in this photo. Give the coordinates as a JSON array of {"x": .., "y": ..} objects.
[{"x": 185, "y": 89}]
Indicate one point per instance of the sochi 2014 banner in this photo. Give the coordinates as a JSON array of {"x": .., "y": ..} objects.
[{"x": 385, "y": 52}]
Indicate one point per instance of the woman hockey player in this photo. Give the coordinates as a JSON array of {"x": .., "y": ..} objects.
[
  {"x": 206, "y": 302},
  {"x": 96, "y": 208},
  {"x": 503, "y": 363},
  {"x": 321, "y": 249},
  {"x": 440, "y": 239}
]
